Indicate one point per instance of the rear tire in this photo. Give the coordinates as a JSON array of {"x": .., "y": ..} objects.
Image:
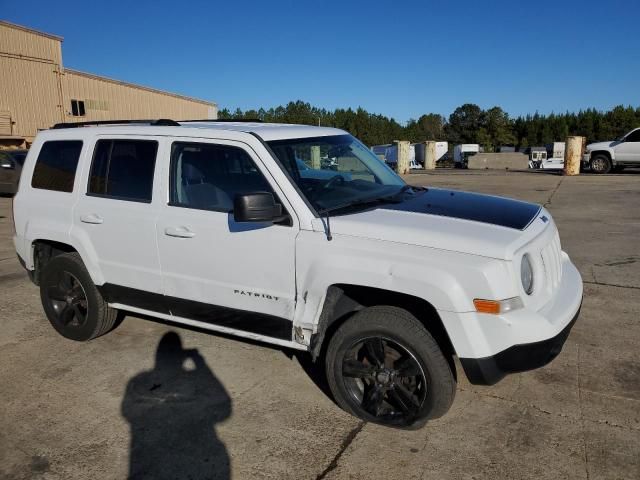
[
  {"x": 72, "y": 302},
  {"x": 600, "y": 164},
  {"x": 383, "y": 366}
]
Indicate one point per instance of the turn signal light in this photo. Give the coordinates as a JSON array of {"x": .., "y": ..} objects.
[
  {"x": 495, "y": 307},
  {"x": 487, "y": 306}
]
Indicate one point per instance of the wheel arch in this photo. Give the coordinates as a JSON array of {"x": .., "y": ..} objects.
[
  {"x": 607, "y": 153},
  {"x": 343, "y": 300},
  {"x": 43, "y": 250}
]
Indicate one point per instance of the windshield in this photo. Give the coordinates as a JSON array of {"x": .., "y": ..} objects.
[
  {"x": 336, "y": 171},
  {"x": 620, "y": 138}
]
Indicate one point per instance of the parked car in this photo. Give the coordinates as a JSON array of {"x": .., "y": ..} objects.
[
  {"x": 623, "y": 152},
  {"x": 555, "y": 163},
  {"x": 215, "y": 227},
  {"x": 11, "y": 162}
]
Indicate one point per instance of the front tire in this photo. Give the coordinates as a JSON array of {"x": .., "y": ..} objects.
[
  {"x": 600, "y": 164},
  {"x": 383, "y": 366},
  {"x": 72, "y": 302}
]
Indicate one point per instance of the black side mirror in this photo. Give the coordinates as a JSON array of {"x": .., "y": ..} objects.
[
  {"x": 8, "y": 164},
  {"x": 256, "y": 207}
]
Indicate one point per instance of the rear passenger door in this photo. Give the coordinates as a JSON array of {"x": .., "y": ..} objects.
[
  {"x": 235, "y": 275},
  {"x": 115, "y": 219}
]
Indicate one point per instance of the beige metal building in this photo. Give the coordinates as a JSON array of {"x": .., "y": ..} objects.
[{"x": 36, "y": 91}]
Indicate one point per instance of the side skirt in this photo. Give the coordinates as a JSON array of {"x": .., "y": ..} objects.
[
  {"x": 244, "y": 323},
  {"x": 211, "y": 327}
]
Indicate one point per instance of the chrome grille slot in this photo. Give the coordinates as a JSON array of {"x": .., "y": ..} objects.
[{"x": 552, "y": 260}]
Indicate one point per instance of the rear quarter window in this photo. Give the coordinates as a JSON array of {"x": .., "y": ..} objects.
[{"x": 56, "y": 165}]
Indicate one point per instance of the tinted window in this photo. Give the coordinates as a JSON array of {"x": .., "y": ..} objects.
[
  {"x": 208, "y": 176},
  {"x": 56, "y": 165},
  {"x": 633, "y": 137},
  {"x": 20, "y": 157},
  {"x": 123, "y": 169}
]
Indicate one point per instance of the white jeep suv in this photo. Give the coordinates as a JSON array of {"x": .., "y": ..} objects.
[
  {"x": 624, "y": 151},
  {"x": 213, "y": 225}
]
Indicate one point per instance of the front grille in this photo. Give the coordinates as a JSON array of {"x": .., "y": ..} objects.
[{"x": 552, "y": 261}]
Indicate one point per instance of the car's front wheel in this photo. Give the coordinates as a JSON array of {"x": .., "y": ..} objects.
[
  {"x": 384, "y": 367},
  {"x": 72, "y": 302},
  {"x": 600, "y": 164}
]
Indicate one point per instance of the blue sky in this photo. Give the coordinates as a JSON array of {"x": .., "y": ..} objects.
[{"x": 400, "y": 58}]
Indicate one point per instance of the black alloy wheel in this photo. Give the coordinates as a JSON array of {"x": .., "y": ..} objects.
[
  {"x": 385, "y": 379},
  {"x": 383, "y": 366},
  {"x": 71, "y": 301},
  {"x": 68, "y": 301}
]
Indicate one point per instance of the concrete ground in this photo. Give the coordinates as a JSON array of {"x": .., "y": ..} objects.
[{"x": 106, "y": 408}]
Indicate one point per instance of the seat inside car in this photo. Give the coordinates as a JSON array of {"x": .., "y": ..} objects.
[{"x": 196, "y": 189}]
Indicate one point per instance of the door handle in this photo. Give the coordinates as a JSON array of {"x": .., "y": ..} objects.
[
  {"x": 91, "y": 218},
  {"x": 181, "y": 232}
]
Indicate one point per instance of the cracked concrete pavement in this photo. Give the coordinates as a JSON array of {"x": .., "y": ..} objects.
[{"x": 105, "y": 409}]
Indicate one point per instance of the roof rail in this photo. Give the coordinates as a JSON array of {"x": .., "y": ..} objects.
[
  {"x": 161, "y": 122},
  {"x": 225, "y": 120}
]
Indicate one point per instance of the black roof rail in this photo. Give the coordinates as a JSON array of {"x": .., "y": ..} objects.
[
  {"x": 225, "y": 120},
  {"x": 161, "y": 122}
]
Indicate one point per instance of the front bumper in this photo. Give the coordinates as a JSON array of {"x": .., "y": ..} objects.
[
  {"x": 491, "y": 346},
  {"x": 518, "y": 358}
]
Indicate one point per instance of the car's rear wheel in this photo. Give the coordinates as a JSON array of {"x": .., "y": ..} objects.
[
  {"x": 72, "y": 302},
  {"x": 384, "y": 367},
  {"x": 600, "y": 164}
]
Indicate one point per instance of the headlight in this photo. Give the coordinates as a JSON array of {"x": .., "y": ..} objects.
[{"x": 526, "y": 274}]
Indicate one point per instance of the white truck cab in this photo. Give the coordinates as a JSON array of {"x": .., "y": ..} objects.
[
  {"x": 462, "y": 152},
  {"x": 216, "y": 225},
  {"x": 602, "y": 157}
]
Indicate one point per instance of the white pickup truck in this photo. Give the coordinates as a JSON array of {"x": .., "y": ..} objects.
[{"x": 602, "y": 157}]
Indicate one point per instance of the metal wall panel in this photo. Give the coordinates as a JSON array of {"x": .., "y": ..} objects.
[
  {"x": 21, "y": 41},
  {"x": 36, "y": 91},
  {"x": 29, "y": 92},
  {"x": 111, "y": 99}
]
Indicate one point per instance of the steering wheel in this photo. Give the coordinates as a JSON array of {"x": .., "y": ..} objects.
[{"x": 337, "y": 180}]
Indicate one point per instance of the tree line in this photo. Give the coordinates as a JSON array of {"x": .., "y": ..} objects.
[{"x": 468, "y": 123}]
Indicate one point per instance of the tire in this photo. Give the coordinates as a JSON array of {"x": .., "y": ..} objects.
[
  {"x": 415, "y": 383},
  {"x": 600, "y": 164},
  {"x": 72, "y": 302}
]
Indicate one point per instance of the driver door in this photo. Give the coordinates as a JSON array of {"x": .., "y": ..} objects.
[{"x": 215, "y": 270}]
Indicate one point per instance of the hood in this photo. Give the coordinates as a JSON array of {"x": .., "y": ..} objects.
[
  {"x": 600, "y": 145},
  {"x": 452, "y": 220}
]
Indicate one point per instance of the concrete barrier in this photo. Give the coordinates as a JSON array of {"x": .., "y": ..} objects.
[
  {"x": 402, "y": 167},
  {"x": 499, "y": 161},
  {"x": 573, "y": 155}
]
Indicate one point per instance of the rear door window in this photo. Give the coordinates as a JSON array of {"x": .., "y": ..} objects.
[
  {"x": 123, "y": 169},
  {"x": 56, "y": 165}
]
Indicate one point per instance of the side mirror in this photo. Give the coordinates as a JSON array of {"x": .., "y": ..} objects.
[
  {"x": 8, "y": 164},
  {"x": 256, "y": 207}
]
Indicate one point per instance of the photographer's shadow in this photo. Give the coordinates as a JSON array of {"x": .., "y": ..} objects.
[{"x": 172, "y": 411}]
